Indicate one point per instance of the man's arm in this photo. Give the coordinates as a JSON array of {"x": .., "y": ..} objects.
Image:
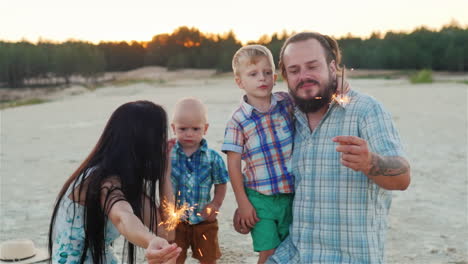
[{"x": 389, "y": 172}]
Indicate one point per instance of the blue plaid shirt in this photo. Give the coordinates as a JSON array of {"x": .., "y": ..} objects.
[
  {"x": 339, "y": 215},
  {"x": 192, "y": 177}
]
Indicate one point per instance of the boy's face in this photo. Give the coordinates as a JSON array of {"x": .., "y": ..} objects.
[
  {"x": 189, "y": 131},
  {"x": 257, "y": 79}
]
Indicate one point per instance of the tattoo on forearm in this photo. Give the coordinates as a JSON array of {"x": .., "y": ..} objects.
[{"x": 387, "y": 166}]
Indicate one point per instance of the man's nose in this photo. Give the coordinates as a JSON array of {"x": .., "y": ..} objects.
[{"x": 302, "y": 76}]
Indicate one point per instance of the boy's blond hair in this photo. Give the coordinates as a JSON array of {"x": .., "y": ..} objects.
[
  {"x": 190, "y": 106},
  {"x": 251, "y": 54}
]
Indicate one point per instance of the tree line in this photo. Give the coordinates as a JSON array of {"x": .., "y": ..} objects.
[{"x": 45, "y": 62}]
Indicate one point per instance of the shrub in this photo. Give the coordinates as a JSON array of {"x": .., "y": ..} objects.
[{"x": 423, "y": 76}]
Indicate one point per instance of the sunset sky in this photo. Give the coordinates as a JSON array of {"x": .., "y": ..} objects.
[{"x": 96, "y": 20}]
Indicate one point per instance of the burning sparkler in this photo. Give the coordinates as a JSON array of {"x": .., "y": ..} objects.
[
  {"x": 174, "y": 214},
  {"x": 341, "y": 98}
]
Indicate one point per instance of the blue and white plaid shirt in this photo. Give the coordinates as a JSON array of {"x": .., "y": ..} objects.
[
  {"x": 339, "y": 215},
  {"x": 192, "y": 177}
]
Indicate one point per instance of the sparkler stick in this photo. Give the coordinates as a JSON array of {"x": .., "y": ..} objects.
[
  {"x": 342, "y": 80},
  {"x": 341, "y": 98}
]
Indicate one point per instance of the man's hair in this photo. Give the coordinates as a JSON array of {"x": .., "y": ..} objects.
[
  {"x": 329, "y": 45},
  {"x": 251, "y": 53}
]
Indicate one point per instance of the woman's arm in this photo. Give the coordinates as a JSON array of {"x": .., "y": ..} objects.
[{"x": 130, "y": 226}]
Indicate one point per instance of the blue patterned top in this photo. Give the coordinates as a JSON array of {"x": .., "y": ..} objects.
[
  {"x": 192, "y": 177},
  {"x": 69, "y": 235},
  {"x": 339, "y": 215}
]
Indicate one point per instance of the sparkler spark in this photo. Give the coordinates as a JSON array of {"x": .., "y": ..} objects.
[{"x": 174, "y": 214}]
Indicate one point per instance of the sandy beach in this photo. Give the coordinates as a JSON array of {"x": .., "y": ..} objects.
[{"x": 41, "y": 145}]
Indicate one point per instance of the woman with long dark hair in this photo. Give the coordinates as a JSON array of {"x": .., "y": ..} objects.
[{"x": 113, "y": 192}]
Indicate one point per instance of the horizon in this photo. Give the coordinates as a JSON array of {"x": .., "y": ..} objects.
[
  {"x": 116, "y": 21},
  {"x": 243, "y": 42}
]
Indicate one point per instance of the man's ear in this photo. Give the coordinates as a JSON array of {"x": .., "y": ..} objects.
[
  {"x": 206, "y": 128},
  {"x": 332, "y": 68},
  {"x": 239, "y": 82},
  {"x": 173, "y": 128}
]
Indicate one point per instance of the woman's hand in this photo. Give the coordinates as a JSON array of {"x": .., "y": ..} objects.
[{"x": 160, "y": 251}]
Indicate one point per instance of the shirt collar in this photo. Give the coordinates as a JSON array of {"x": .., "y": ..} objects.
[
  {"x": 248, "y": 109},
  {"x": 203, "y": 147}
]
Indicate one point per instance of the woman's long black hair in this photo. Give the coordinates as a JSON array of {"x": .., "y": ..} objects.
[{"x": 131, "y": 149}]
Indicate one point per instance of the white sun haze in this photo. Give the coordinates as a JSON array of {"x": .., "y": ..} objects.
[{"x": 142, "y": 19}]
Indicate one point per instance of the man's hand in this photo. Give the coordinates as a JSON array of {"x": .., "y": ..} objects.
[
  {"x": 355, "y": 153},
  {"x": 248, "y": 215},
  {"x": 160, "y": 251},
  {"x": 210, "y": 212}
]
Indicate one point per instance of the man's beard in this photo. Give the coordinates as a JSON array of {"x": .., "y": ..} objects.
[{"x": 312, "y": 105}]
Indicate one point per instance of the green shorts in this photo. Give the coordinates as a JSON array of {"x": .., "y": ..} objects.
[{"x": 275, "y": 214}]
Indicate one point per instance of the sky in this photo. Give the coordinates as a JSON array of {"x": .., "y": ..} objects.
[{"x": 116, "y": 20}]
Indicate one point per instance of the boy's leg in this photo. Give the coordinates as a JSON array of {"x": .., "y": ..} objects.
[
  {"x": 205, "y": 246},
  {"x": 284, "y": 203},
  {"x": 264, "y": 255},
  {"x": 282, "y": 212},
  {"x": 265, "y": 232},
  {"x": 182, "y": 239}
]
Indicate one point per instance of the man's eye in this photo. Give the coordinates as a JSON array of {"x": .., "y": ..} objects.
[
  {"x": 252, "y": 74},
  {"x": 196, "y": 128},
  {"x": 182, "y": 129}
]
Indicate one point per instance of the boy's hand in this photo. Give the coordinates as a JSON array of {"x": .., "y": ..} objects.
[
  {"x": 248, "y": 216},
  {"x": 210, "y": 212}
]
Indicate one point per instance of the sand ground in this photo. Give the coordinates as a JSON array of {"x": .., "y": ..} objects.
[{"x": 42, "y": 144}]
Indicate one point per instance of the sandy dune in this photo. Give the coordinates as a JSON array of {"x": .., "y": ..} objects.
[{"x": 42, "y": 144}]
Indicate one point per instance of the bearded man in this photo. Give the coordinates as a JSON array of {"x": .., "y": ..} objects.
[{"x": 346, "y": 160}]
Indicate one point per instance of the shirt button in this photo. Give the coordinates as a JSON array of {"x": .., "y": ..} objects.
[{"x": 189, "y": 159}]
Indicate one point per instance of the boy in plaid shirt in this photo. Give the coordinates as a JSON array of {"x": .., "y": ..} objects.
[
  {"x": 260, "y": 132},
  {"x": 195, "y": 168}
]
